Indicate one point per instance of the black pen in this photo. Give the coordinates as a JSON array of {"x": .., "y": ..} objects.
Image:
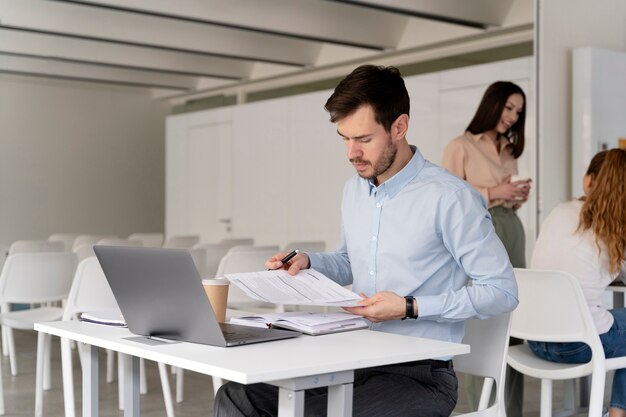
[{"x": 289, "y": 256}]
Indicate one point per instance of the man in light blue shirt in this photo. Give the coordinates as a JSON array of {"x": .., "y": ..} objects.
[{"x": 417, "y": 243}]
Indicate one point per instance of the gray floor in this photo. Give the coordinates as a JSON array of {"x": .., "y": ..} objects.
[{"x": 19, "y": 391}]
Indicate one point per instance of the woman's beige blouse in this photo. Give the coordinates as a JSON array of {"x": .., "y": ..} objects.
[{"x": 475, "y": 159}]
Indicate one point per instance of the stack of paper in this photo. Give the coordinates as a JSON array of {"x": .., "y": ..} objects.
[
  {"x": 308, "y": 287},
  {"x": 305, "y": 322}
]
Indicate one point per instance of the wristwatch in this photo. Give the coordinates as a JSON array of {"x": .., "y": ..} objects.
[{"x": 410, "y": 310}]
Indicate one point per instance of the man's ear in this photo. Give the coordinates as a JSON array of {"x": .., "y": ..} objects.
[{"x": 400, "y": 126}]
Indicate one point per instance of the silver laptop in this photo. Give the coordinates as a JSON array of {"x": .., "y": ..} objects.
[{"x": 161, "y": 295}]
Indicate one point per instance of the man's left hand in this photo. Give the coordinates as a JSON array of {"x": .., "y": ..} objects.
[{"x": 382, "y": 306}]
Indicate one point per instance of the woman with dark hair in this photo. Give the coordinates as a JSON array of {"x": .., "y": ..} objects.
[
  {"x": 486, "y": 157},
  {"x": 587, "y": 238}
]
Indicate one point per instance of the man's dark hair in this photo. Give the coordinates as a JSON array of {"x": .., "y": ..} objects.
[
  {"x": 489, "y": 113},
  {"x": 380, "y": 87}
]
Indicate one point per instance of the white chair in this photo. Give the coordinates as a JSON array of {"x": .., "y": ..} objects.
[
  {"x": 489, "y": 341},
  {"x": 26, "y": 246},
  {"x": 66, "y": 238},
  {"x": 306, "y": 246},
  {"x": 552, "y": 308},
  {"x": 181, "y": 242},
  {"x": 213, "y": 254},
  {"x": 244, "y": 261},
  {"x": 249, "y": 248},
  {"x": 34, "y": 278},
  {"x": 90, "y": 291},
  {"x": 149, "y": 240},
  {"x": 237, "y": 241}
]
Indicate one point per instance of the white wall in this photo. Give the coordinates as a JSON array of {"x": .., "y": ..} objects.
[
  {"x": 564, "y": 25},
  {"x": 289, "y": 165},
  {"x": 598, "y": 104},
  {"x": 78, "y": 158}
]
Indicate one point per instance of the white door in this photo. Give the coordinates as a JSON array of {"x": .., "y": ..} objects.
[{"x": 199, "y": 180}]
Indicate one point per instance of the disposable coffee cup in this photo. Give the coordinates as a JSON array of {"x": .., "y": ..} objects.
[
  {"x": 217, "y": 291},
  {"x": 515, "y": 178}
]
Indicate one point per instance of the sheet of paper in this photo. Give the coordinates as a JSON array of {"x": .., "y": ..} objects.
[{"x": 308, "y": 287}]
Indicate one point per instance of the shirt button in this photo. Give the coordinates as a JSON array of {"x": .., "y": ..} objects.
[
  {"x": 371, "y": 272},
  {"x": 378, "y": 205},
  {"x": 373, "y": 237}
]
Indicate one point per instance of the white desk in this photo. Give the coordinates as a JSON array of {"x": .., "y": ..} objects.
[{"x": 293, "y": 365}]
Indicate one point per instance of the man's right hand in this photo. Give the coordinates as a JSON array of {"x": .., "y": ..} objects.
[{"x": 298, "y": 262}]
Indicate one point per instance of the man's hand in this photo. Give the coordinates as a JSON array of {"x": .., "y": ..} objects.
[
  {"x": 382, "y": 306},
  {"x": 298, "y": 262}
]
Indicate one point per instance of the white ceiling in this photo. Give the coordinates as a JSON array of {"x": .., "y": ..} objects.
[{"x": 190, "y": 46}]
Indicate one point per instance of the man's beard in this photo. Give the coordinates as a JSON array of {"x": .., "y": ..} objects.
[{"x": 384, "y": 162}]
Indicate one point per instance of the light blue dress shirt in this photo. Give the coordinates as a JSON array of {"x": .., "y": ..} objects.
[{"x": 426, "y": 233}]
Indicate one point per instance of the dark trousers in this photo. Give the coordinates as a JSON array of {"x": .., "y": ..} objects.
[{"x": 420, "y": 389}]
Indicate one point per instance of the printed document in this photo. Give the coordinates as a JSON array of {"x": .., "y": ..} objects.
[{"x": 308, "y": 287}]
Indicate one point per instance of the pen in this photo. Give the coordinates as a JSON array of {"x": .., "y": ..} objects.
[{"x": 289, "y": 256}]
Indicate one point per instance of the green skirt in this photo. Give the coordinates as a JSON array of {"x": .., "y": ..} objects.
[{"x": 511, "y": 232}]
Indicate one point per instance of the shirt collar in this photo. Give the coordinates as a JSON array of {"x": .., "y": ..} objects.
[{"x": 396, "y": 183}]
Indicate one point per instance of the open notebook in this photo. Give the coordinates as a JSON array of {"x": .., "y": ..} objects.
[{"x": 305, "y": 322}]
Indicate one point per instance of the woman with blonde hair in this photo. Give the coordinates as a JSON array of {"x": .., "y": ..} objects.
[{"x": 587, "y": 238}]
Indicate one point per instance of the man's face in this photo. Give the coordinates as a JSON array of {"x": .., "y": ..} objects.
[{"x": 370, "y": 148}]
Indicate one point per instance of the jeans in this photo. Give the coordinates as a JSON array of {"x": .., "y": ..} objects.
[{"x": 614, "y": 343}]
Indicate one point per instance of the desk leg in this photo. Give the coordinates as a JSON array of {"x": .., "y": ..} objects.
[
  {"x": 90, "y": 382},
  {"x": 290, "y": 403},
  {"x": 291, "y": 393},
  {"x": 131, "y": 386},
  {"x": 340, "y": 400}
]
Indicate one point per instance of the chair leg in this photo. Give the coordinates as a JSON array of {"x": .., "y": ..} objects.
[
  {"x": 1, "y": 391},
  {"x": 47, "y": 358},
  {"x": 596, "y": 397},
  {"x": 217, "y": 383},
  {"x": 485, "y": 394},
  {"x": 5, "y": 342},
  {"x": 120, "y": 381},
  {"x": 546, "y": 398},
  {"x": 167, "y": 392},
  {"x": 11, "y": 347},
  {"x": 68, "y": 382},
  {"x": 39, "y": 372},
  {"x": 143, "y": 383},
  {"x": 110, "y": 366},
  {"x": 179, "y": 384}
]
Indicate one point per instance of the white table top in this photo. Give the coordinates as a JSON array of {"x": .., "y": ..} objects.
[{"x": 269, "y": 361}]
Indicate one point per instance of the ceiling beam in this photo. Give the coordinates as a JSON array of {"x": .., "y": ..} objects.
[
  {"x": 480, "y": 14},
  {"x": 84, "y": 22},
  {"x": 122, "y": 56},
  {"x": 302, "y": 19}
]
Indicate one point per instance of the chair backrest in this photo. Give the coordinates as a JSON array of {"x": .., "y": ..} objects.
[
  {"x": 242, "y": 262},
  {"x": 88, "y": 240},
  {"x": 37, "y": 277},
  {"x": 26, "y": 246},
  {"x": 84, "y": 251},
  {"x": 90, "y": 290},
  {"x": 307, "y": 246},
  {"x": 110, "y": 241},
  {"x": 249, "y": 248},
  {"x": 489, "y": 341},
  {"x": 66, "y": 238},
  {"x": 149, "y": 240},
  {"x": 552, "y": 308},
  {"x": 181, "y": 242},
  {"x": 213, "y": 254},
  {"x": 248, "y": 241}
]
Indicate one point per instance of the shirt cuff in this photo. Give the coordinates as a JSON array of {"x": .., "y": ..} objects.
[
  {"x": 429, "y": 306},
  {"x": 314, "y": 260}
]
